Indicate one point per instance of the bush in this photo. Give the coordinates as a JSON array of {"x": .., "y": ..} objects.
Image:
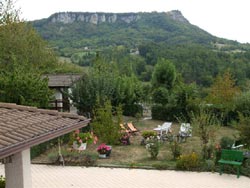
[
  {"x": 74, "y": 158},
  {"x": 148, "y": 133},
  {"x": 153, "y": 146},
  {"x": 244, "y": 129},
  {"x": 246, "y": 168},
  {"x": 188, "y": 162},
  {"x": 175, "y": 149},
  {"x": 53, "y": 157},
  {"x": 209, "y": 165},
  {"x": 226, "y": 142},
  {"x": 132, "y": 110},
  {"x": 105, "y": 127},
  {"x": 164, "y": 113},
  {"x": 2, "y": 182}
]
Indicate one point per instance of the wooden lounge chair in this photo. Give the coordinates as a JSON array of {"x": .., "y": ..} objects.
[
  {"x": 123, "y": 128},
  {"x": 132, "y": 128}
]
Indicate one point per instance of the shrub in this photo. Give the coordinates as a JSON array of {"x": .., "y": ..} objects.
[
  {"x": 125, "y": 139},
  {"x": 209, "y": 165},
  {"x": 132, "y": 110},
  {"x": 246, "y": 168},
  {"x": 148, "y": 133},
  {"x": 175, "y": 149},
  {"x": 165, "y": 113},
  {"x": 53, "y": 157},
  {"x": 244, "y": 129},
  {"x": 188, "y": 162},
  {"x": 226, "y": 142},
  {"x": 74, "y": 158},
  {"x": 2, "y": 182},
  {"x": 104, "y": 126},
  {"x": 153, "y": 146}
]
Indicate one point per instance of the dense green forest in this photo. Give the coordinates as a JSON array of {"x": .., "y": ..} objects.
[{"x": 140, "y": 39}]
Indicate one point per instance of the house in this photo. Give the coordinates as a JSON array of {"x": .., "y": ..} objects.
[
  {"x": 61, "y": 84},
  {"x": 22, "y": 127}
]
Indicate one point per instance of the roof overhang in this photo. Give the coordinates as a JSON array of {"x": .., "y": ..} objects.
[{"x": 52, "y": 125}]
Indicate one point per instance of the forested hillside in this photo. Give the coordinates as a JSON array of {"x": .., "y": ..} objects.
[{"x": 142, "y": 38}]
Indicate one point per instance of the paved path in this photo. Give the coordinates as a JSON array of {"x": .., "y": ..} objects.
[{"x": 44, "y": 176}]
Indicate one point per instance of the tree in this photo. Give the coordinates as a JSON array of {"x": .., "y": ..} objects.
[
  {"x": 8, "y": 14},
  {"x": 23, "y": 57},
  {"x": 221, "y": 95},
  {"x": 104, "y": 126},
  {"x": 103, "y": 82},
  {"x": 20, "y": 43},
  {"x": 164, "y": 74},
  {"x": 24, "y": 87},
  {"x": 161, "y": 96},
  {"x": 223, "y": 90}
]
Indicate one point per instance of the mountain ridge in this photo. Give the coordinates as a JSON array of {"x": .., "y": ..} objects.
[
  {"x": 75, "y": 30},
  {"x": 100, "y": 17}
]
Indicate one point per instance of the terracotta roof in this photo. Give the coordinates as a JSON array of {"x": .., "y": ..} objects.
[
  {"x": 22, "y": 127},
  {"x": 62, "y": 80}
]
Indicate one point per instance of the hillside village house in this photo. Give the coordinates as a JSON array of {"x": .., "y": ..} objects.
[
  {"x": 62, "y": 84},
  {"x": 22, "y": 127}
]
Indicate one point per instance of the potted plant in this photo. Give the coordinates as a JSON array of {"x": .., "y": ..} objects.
[
  {"x": 104, "y": 150},
  {"x": 80, "y": 140}
]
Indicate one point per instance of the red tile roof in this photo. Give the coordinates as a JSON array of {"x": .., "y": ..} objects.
[{"x": 22, "y": 127}]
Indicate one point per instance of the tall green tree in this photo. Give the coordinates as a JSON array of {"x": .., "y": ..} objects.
[
  {"x": 104, "y": 82},
  {"x": 105, "y": 127},
  {"x": 164, "y": 74},
  {"x": 221, "y": 95},
  {"x": 24, "y": 87},
  {"x": 23, "y": 57}
]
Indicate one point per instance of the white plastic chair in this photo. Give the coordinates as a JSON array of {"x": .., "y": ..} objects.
[
  {"x": 165, "y": 127},
  {"x": 185, "y": 130}
]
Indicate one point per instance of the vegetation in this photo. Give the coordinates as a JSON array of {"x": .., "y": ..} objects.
[
  {"x": 2, "y": 182},
  {"x": 173, "y": 71},
  {"x": 205, "y": 124},
  {"x": 104, "y": 127},
  {"x": 196, "y": 55}
]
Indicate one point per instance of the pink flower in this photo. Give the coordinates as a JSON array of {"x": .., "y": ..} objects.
[
  {"x": 77, "y": 131},
  {"x": 95, "y": 139}
]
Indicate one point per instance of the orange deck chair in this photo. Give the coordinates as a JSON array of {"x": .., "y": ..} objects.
[{"x": 132, "y": 127}]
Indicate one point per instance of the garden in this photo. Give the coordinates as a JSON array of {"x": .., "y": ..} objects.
[{"x": 171, "y": 154}]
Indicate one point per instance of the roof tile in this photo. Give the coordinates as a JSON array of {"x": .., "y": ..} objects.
[{"x": 20, "y": 125}]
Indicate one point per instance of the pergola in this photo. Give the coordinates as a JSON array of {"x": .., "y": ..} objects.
[{"x": 22, "y": 127}]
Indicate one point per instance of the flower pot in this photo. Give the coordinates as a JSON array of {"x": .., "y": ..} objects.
[
  {"x": 102, "y": 156},
  {"x": 82, "y": 147},
  {"x": 109, "y": 152}
]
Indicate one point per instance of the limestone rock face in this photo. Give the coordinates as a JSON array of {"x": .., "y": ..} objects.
[
  {"x": 177, "y": 16},
  {"x": 94, "y": 18},
  {"x": 97, "y": 18}
]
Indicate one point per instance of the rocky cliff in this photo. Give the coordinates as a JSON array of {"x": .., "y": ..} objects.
[{"x": 97, "y": 18}]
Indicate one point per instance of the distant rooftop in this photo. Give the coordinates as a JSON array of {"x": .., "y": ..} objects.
[
  {"x": 62, "y": 80},
  {"x": 22, "y": 127}
]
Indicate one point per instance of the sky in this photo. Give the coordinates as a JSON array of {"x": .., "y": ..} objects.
[{"x": 223, "y": 18}]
